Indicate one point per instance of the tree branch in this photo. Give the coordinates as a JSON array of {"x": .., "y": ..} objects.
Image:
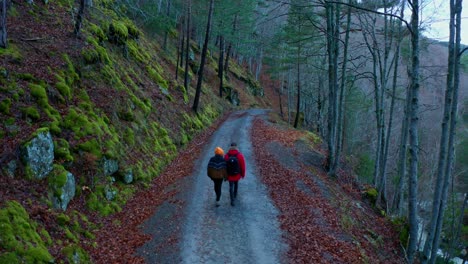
[{"x": 373, "y": 11}]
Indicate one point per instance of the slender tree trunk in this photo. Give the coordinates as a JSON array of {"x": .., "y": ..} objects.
[
  {"x": 443, "y": 143},
  {"x": 180, "y": 50},
  {"x": 398, "y": 193},
  {"x": 289, "y": 96},
  {"x": 342, "y": 91},
  {"x": 298, "y": 103},
  {"x": 454, "y": 68},
  {"x": 414, "y": 140},
  {"x": 332, "y": 50},
  {"x": 168, "y": 11},
  {"x": 228, "y": 51},
  {"x": 79, "y": 17},
  {"x": 3, "y": 25},
  {"x": 403, "y": 159},
  {"x": 220, "y": 65},
  {"x": 203, "y": 58},
  {"x": 187, "y": 48}
]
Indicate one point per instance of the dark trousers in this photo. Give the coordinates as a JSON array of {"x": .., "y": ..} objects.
[
  {"x": 233, "y": 185},
  {"x": 217, "y": 187}
]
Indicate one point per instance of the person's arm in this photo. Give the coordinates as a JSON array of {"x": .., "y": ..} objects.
[{"x": 242, "y": 164}]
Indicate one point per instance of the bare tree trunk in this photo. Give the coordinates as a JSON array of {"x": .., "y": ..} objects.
[
  {"x": 342, "y": 91},
  {"x": 397, "y": 201},
  {"x": 180, "y": 49},
  {"x": 414, "y": 140},
  {"x": 332, "y": 50},
  {"x": 220, "y": 65},
  {"x": 298, "y": 103},
  {"x": 454, "y": 68},
  {"x": 79, "y": 17},
  {"x": 203, "y": 58},
  {"x": 187, "y": 48},
  {"x": 3, "y": 25},
  {"x": 443, "y": 143},
  {"x": 228, "y": 52},
  {"x": 168, "y": 10}
]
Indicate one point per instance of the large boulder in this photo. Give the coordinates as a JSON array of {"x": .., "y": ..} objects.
[
  {"x": 38, "y": 154},
  {"x": 63, "y": 194}
]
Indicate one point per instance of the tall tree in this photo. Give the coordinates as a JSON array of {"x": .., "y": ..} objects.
[
  {"x": 203, "y": 58},
  {"x": 446, "y": 151},
  {"x": 187, "y": 45},
  {"x": 413, "y": 132},
  {"x": 332, "y": 34}
]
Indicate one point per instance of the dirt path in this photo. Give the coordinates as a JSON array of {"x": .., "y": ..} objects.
[{"x": 198, "y": 231}]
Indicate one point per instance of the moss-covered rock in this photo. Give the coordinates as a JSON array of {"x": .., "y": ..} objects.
[
  {"x": 21, "y": 239},
  {"x": 62, "y": 185},
  {"x": 38, "y": 153},
  {"x": 118, "y": 32}
]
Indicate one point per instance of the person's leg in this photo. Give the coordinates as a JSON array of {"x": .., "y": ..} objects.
[
  {"x": 236, "y": 186},
  {"x": 231, "y": 191},
  {"x": 218, "y": 184}
]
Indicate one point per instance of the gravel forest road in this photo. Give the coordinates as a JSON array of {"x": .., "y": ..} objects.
[{"x": 191, "y": 229}]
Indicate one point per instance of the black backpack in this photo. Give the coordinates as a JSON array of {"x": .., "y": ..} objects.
[{"x": 233, "y": 166}]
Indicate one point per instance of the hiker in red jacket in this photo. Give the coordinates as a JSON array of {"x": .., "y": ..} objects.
[{"x": 235, "y": 163}]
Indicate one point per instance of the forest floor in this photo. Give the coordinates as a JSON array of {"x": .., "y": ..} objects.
[{"x": 288, "y": 210}]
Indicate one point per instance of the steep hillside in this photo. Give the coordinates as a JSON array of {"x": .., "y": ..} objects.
[{"x": 101, "y": 113}]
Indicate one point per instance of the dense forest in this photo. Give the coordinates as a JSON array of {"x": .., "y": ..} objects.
[{"x": 117, "y": 87}]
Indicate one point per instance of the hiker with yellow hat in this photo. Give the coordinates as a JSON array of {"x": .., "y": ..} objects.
[{"x": 217, "y": 171}]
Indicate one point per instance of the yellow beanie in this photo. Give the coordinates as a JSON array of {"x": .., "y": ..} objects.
[{"x": 219, "y": 151}]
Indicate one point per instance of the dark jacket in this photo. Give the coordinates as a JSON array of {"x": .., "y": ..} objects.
[
  {"x": 217, "y": 167},
  {"x": 240, "y": 157}
]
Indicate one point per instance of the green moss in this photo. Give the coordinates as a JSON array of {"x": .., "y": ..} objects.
[
  {"x": 371, "y": 194},
  {"x": 97, "y": 32},
  {"x": 118, "y": 32},
  {"x": 156, "y": 77},
  {"x": 136, "y": 52},
  {"x": 133, "y": 31},
  {"x": 5, "y": 105},
  {"x": 129, "y": 136},
  {"x": 91, "y": 146},
  {"x": 38, "y": 91},
  {"x": 76, "y": 254},
  {"x": 90, "y": 55},
  {"x": 19, "y": 238},
  {"x": 64, "y": 89},
  {"x": 30, "y": 112},
  {"x": 402, "y": 226},
  {"x": 62, "y": 150},
  {"x": 78, "y": 122},
  {"x": 11, "y": 52},
  {"x": 25, "y": 76},
  {"x": 57, "y": 179},
  {"x": 63, "y": 219},
  {"x": 70, "y": 235}
]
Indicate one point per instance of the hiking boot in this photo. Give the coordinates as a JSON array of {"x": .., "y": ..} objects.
[
  {"x": 217, "y": 204},
  {"x": 232, "y": 202}
]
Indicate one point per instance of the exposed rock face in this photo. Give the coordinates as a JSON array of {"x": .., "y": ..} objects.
[
  {"x": 38, "y": 154},
  {"x": 67, "y": 192},
  {"x": 109, "y": 166}
]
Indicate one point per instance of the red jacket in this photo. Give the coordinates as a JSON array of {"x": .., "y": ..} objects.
[{"x": 240, "y": 157}]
